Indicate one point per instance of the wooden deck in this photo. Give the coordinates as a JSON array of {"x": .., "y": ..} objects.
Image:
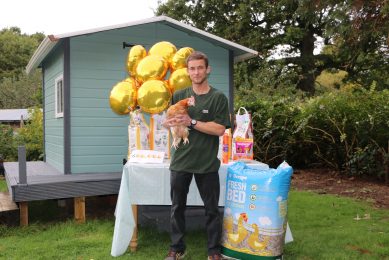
[
  {"x": 45, "y": 182},
  {"x": 6, "y": 204}
]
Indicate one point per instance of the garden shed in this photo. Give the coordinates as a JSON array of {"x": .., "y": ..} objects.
[
  {"x": 13, "y": 117},
  {"x": 82, "y": 136}
]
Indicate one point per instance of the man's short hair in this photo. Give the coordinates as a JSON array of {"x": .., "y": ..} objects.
[{"x": 197, "y": 55}]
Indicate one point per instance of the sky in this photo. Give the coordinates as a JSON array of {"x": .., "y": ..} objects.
[{"x": 63, "y": 16}]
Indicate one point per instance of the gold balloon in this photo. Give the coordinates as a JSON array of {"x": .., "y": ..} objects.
[
  {"x": 154, "y": 96},
  {"x": 151, "y": 67},
  {"x": 179, "y": 79},
  {"x": 133, "y": 81},
  {"x": 164, "y": 49},
  {"x": 179, "y": 59},
  {"x": 123, "y": 96},
  {"x": 168, "y": 86},
  {"x": 134, "y": 56}
]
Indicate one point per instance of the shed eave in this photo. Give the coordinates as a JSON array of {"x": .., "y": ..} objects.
[
  {"x": 40, "y": 53},
  {"x": 244, "y": 57}
]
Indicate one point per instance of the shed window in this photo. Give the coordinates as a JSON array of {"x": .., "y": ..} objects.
[{"x": 59, "y": 97}]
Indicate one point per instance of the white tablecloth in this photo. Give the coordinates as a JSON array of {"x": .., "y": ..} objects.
[{"x": 149, "y": 184}]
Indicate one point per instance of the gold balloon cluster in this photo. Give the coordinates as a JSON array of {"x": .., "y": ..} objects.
[{"x": 146, "y": 86}]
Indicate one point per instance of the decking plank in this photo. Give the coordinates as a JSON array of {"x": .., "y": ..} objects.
[
  {"x": 33, "y": 169},
  {"x": 45, "y": 182},
  {"x": 65, "y": 190},
  {"x": 11, "y": 181},
  {"x": 6, "y": 203},
  {"x": 73, "y": 178}
]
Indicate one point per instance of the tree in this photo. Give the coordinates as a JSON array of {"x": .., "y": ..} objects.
[
  {"x": 296, "y": 25},
  {"x": 24, "y": 91},
  {"x": 360, "y": 44},
  {"x": 16, "y": 50},
  {"x": 18, "y": 90}
]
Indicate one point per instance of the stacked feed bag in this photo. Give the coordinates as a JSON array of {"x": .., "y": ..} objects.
[{"x": 255, "y": 210}]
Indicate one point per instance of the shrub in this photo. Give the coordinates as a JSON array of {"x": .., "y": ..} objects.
[
  {"x": 7, "y": 147},
  {"x": 345, "y": 130},
  {"x": 31, "y": 135},
  {"x": 349, "y": 130}
]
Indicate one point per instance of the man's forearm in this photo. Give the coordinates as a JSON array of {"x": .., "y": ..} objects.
[{"x": 210, "y": 128}]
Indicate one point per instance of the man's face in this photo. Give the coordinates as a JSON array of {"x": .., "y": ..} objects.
[{"x": 197, "y": 71}]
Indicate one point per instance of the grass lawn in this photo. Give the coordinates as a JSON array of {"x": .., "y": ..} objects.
[
  {"x": 323, "y": 227},
  {"x": 3, "y": 184}
]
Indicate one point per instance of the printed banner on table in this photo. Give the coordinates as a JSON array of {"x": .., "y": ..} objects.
[{"x": 146, "y": 156}]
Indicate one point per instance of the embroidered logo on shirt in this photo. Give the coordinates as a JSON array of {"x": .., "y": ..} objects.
[{"x": 205, "y": 111}]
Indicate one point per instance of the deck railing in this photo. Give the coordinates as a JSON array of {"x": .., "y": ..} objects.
[{"x": 22, "y": 165}]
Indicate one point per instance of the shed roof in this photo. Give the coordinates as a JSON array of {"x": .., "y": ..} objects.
[
  {"x": 49, "y": 42},
  {"x": 11, "y": 115}
]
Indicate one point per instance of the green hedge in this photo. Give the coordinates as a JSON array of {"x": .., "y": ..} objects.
[{"x": 344, "y": 130}]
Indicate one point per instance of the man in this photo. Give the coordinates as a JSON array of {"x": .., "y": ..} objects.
[{"x": 207, "y": 119}]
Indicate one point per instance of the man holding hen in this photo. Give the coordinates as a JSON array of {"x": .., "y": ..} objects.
[{"x": 207, "y": 120}]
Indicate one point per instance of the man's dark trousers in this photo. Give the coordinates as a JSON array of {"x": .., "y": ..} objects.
[{"x": 209, "y": 189}]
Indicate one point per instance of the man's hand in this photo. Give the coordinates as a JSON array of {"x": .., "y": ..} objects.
[{"x": 177, "y": 120}]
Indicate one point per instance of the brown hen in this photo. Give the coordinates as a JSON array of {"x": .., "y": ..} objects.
[{"x": 179, "y": 132}]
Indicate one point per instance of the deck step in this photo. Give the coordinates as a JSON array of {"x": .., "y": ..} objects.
[{"x": 6, "y": 203}]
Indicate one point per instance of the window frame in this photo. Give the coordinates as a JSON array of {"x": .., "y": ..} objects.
[{"x": 59, "y": 114}]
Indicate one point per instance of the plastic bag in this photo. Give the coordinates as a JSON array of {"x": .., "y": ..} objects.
[
  {"x": 159, "y": 135},
  {"x": 255, "y": 211},
  {"x": 138, "y": 133},
  {"x": 243, "y": 138}
]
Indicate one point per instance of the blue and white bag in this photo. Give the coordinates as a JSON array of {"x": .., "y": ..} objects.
[{"x": 255, "y": 211}]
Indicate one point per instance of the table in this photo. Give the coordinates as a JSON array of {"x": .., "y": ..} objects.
[{"x": 149, "y": 184}]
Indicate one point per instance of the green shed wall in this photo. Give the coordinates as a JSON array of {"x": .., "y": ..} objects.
[
  {"x": 54, "y": 134},
  {"x": 99, "y": 138}
]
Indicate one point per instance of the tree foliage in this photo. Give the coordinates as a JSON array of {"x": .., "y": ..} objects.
[
  {"x": 360, "y": 43},
  {"x": 331, "y": 80},
  {"x": 7, "y": 148},
  {"x": 25, "y": 91},
  {"x": 18, "y": 90},
  {"x": 356, "y": 30},
  {"x": 16, "y": 50},
  {"x": 31, "y": 135}
]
